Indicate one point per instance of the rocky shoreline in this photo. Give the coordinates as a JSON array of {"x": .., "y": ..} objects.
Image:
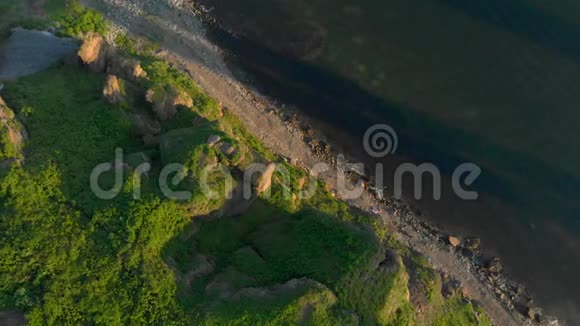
[
  {"x": 464, "y": 265},
  {"x": 487, "y": 268}
]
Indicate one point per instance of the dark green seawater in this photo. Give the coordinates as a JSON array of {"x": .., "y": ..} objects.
[{"x": 494, "y": 82}]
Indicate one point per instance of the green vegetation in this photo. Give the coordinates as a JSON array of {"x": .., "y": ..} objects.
[
  {"x": 8, "y": 149},
  {"x": 69, "y": 258},
  {"x": 70, "y": 126},
  {"x": 77, "y": 21},
  {"x": 457, "y": 312}
]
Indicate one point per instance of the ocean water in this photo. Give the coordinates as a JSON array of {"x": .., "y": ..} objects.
[{"x": 494, "y": 82}]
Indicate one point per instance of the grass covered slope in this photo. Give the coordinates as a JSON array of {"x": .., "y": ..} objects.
[{"x": 69, "y": 258}]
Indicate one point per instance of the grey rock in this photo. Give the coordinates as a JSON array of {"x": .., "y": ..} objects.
[
  {"x": 27, "y": 52},
  {"x": 213, "y": 139},
  {"x": 227, "y": 148}
]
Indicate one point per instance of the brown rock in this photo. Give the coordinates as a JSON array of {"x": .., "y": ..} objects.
[
  {"x": 454, "y": 241},
  {"x": 180, "y": 98},
  {"x": 17, "y": 136},
  {"x": 227, "y": 148},
  {"x": 93, "y": 52},
  {"x": 531, "y": 313},
  {"x": 138, "y": 71},
  {"x": 15, "y": 130},
  {"x": 301, "y": 183},
  {"x": 265, "y": 180},
  {"x": 127, "y": 68},
  {"x": 166, "y": 99},
  {"x": 114, "y": 91}
]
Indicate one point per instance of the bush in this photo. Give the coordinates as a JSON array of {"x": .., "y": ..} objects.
[{"x": 78, "y": 21}]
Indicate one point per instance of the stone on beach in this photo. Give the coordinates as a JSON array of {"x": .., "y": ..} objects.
[{"x": 454, "y": 241}]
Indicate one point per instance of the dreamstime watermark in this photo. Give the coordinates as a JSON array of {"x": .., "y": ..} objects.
[
  {"x": 214, "y": 180},
  {"x": 381, "y": 140}
]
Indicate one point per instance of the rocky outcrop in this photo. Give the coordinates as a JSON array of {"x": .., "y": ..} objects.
[
  {"x": 166, "y": 100},
  {"x": 265, "y": 180},
  {"x": 99, "y": 56},
  {"x": 94, "y": 52},
  {"x": 11, "y": 130},
  {"x": 127, "y": 68},
  {"x": 114, "y": 90}
]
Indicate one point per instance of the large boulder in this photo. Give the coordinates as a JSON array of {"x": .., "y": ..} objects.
[
  {"x": 94, "y": 52},
  {"x": 5, "y": 112},
  {"x": 114, "y": 90},
  {"x": 127, "y": 68},
  {"x": 166, "y": 99},
  {"x": 213, "y": 140},
  {"x": 454, "y": 241},
  {"x": 11, "y": 130},
  {"x": 265, "y": 180},
  {"x": 101, "y": 57}
]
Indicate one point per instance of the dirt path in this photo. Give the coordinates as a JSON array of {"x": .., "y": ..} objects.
[{"x": 183, "y": 39}]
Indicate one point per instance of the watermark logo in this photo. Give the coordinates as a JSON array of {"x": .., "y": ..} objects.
[{"x": 379, "y": 141}]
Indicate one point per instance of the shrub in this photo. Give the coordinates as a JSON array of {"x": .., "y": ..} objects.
[{"x": 78, "y": 21}]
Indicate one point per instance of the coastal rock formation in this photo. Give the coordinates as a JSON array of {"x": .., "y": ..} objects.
[
  {"x": 265, "y": 180},
  {"x": 12, "y": 131},
  {"x": 166, "y": 99},
  {"x": 127, "y": 68},
  {"x": 102, "y": 57},
  {"x": 94, "y": 52},
  {"x": 114, "y": 92},
  {"x": 454, "y": 241}
]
